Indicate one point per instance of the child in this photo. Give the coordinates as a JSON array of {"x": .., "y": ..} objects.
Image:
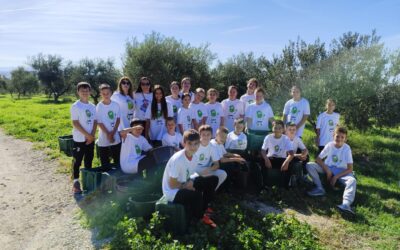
[
  {"x": 207, "y": 157},
  {"x": 195, "y": 194},
  {"x": 336, "y": 162},
  {"x": 143, "y": 98},
  {"x": 215, "y": 117},
  {"x": 326, "y": 124},
  {"x": 156, "y": 115},
  {"x": 185, "y": 85},
  {"x": 296, "y": 110},
  {"x": 172, "y": 138},
  {"x": 232, "y": 108},
  {"x": 199, "y": 108},
  {"x": 277, "y": 152},
  {"x": 84, "y": 129},
  {"x": 249, "y": 97},
  {"x": 185, "y": 115},
  {"x": 259, "y": 114},
  {"x": 229, "y": 162},
  {"x": 133, "y": 143},
  {"x": 124, "y": 98},
  {"x": 174, "y": 99},
  {"x": 237, "y": 140},
  {"x": 108, "y": 119},
  {"x": 298, "y": 164}
]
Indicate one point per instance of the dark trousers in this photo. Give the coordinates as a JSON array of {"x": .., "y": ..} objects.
[
  {"x": 277, "y": 164},
  {"x": 80, "y": 152},
  {"x": 196, "y": 202},
  {"x": 233, "y": 170},
  {"x": 106, "y": 153}
]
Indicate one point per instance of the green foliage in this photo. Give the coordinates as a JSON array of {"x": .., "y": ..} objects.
[
  {"x": 164, "y": 59},
  {"x": 22, "y": 82}
]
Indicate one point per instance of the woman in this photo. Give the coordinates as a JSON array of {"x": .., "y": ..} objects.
[
  {"x": 124, "y": 97},
  {"x": 143, "y": 98}
]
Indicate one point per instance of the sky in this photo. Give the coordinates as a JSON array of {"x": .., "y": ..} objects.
[{"x": 76, "y": 29}]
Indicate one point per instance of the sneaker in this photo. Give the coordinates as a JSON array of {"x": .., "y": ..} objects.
[
  {"x": 345, "y": 209},
  {"x": 76, "y": 188},
  {"x": 209, "y": 211},
  {"x": 207, "y": 221},
  {"x": 316, "y": 192}
]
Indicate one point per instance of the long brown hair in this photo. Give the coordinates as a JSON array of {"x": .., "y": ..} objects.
[
  {"x": 130, "y": 90},
  {"x": 139, "y": 88},
  {"x": 164, "y": 106}
]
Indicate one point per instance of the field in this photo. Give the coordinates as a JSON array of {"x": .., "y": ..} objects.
[{"x": 375, "y": 226}]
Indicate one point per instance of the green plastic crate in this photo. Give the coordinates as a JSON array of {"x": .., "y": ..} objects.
[
  {"x": 142, "y": 205},
  {"x": 274, "y": 177},
  {"x": 100, "y": 178},
  {"x": 255, "y": 139},
  {"x": 66, "y": 144},
  {"x": 175, "y": 215}
]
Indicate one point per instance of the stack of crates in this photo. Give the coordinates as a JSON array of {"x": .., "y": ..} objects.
[
  {"x": 175, "y": 220},
  {"x": 255, "y": 139},
  {"x": 66, "y": 144},
  {"x": 101, "y": 178}
]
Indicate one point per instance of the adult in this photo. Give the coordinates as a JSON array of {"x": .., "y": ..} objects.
[
  {"x": 143, "y": 98},
  {"x": 124, "y": 97}
]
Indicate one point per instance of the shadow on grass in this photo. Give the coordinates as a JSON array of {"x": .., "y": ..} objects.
[{"x": 51, "y": 101}]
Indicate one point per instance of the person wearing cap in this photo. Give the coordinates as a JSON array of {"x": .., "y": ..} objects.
[{"x": 133, "y": 144}]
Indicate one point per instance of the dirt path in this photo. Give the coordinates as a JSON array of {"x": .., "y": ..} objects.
[{"x": 37, "y": 210}]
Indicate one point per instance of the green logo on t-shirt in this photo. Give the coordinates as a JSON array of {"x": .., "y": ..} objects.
[
  {"x": 330, "y": 122},
  {"x": 294, "y": 110},
  {"x": 175, "y": 108},
  {"x": 259, "y": 114},
  {"x": 138, "y": 150},
  {"x": 88, "y": 113},
  {"x": 130, "y": 104},
  {"x": 187, "y": 174},
  {"x": 231, "y": 108},
  {"x": 240, "y": 142},
  {"x": 201, "y": 158},
  {"x": 250, "y": 101},
  {"x": 158, "y": 114},
  {"x": 335, "y": 158},
  {"x": 199, "y": 113},
  {"x": 276, "y": 148},
  {"x": 213, "y": 113},
  {"x": 111, "y": 115},
  {"x": 188, "y": 118}
]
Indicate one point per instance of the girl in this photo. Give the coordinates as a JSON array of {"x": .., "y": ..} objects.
[
  {"x": 232, "y": 108},
  {"x": 174, "y": 98},
  {"x": 215, "y": 117},
  {"x": 326, "y": 124},
  {"x": 185, "y": 115},
  {"x": 124, "y": 97},
  {"x": 185, "y": 85},
  {"x": 156, "y": 115},
  {"x": 249, "y": 97},
  {"x": 199, "y": 108},
  {"x": 172, "y": 138},
  {"x": 143, "y": 98},
  {"x": 259, "y": 114}
]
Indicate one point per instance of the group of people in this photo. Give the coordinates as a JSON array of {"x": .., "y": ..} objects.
[{"x": 210, "y": 139}]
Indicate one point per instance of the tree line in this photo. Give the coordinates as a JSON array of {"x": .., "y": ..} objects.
[{"x": 355, "y": 69}]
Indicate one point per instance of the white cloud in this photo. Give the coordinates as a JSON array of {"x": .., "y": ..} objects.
[{"x": 240, "y": 29}]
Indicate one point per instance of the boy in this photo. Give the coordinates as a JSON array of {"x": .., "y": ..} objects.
[
  {"x": 108, "y": 119},
  {"x": 237, "y": 140},
  {"x": 84, "y": 129},
  {"x": 326, "y": 124},
  {"x": 199, "y": 108},
  {"x": 207, "y": 157},
  {"x": 133, "y": 143},
  {"x": 298, "y": 164},
  {"x": 296, "y": 110},
  {"x": 215, "y": 117},
  {"x": 249, "y": 97},
  {"x": 185, "y": 115},
  {"x": 338, "y": 166},
  {"x": 194, "y": 194},
  {"x": 172, "y": 138},
  {"x": 233, "y": 108},
  {"x": 277, "y": 152}
]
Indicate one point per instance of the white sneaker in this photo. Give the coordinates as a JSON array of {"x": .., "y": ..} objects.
[
  {"x": 345, "y": 209},
  {"x": 316, "y": 192}
]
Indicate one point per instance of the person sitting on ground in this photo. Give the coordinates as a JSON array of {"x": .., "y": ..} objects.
[
  {"x": 194, "y": 193},
  {"x": 172, "y": 138},
  {"x": 336, "y": 161},
  {"x": 133, "y": 145}
]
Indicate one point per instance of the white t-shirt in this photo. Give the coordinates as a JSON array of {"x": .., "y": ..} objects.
[
  {"x": 336, "y": 158},
  {"x": 172, "y": 140},
  {"x": 85, "y": 113},
  {"x": 205, "y": 156},
  {"x": 219, "y": 148},
  {"x": 131, "y": 151},
  {"x": 107, "y": 115},
  {"x": 185, "y": 117},
  {"x": 214, "y": 114},
  {"x": 176, "y": 104},
  {"x": 294, "y": 111},
  {"x": 192, "y": 95},
  {"x": 142, "y": 102},
  {"x": 157, "y": 126},
  {"x": 237, "y": 142},
  {"x": 247, "y": 100},
  {"x": 327, "y": 124},
  {"x": 297, "y": 143},
  {"x": 199, "y": 110},
  {"x": 232, "y": 110},
  {"x": 260, "y": 115},
  {"x": 126, "y": 107},
  {"x": 179, "y": 167},
  {"x": 277, "y": 147}
]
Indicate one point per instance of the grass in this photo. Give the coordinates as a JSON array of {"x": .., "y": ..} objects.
[{"x": 376, "y": 224}]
